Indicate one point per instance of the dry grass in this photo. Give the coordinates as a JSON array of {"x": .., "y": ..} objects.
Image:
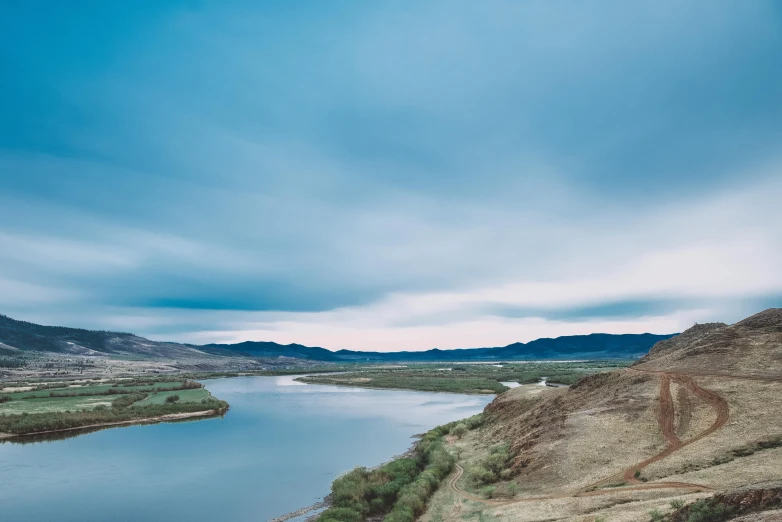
[{"x": 569, "y": 440}]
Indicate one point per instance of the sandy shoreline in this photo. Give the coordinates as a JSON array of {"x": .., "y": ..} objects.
[{"x": 146, "y": 420}]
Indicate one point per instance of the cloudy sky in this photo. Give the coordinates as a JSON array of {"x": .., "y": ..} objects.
[{"x": 391, "y": 174}]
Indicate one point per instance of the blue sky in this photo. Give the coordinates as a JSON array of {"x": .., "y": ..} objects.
[{"x": 389, "y": 175}]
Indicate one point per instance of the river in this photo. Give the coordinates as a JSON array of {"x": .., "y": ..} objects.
[{"x": 276, "y": 450}]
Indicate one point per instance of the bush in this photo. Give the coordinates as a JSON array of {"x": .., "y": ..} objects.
[
  {"x": 459, "y": 430},
  {"x": 336, "y": 514},
  {"x": 172, "y": 399},
  {"x": 4, "y": 398},
  {"x": 702, "y": 511},
  {"x": 677, "y": 503},
  {"x": 488, "y": 491},
  {"x": 493, "y": 467},
  {"x": 400, "y": 488},
  {"x": 476, "y": 421},
  {"x": 126, "y": 400},
  {"x": 656, "y": 515}
]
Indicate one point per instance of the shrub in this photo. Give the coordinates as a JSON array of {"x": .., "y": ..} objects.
[
  {"x": 656, "y": 515},
  {"x": 481, "y": 475},
  {"x": 459, "y": 430},
  {"x": 702, "y": 511},
  {"x": 337, "y": 514},
  {"x": 488, "y": 491},
  {"x": 677, "y": 503},
  {"x": 476, "y": 421},
  {"x": 495, "y": 466},
  {"x": 172, "y": 399},
  {"x": 400, "y": 488},
  {"x": 126, "y": 400},
  {"x": 4, "y": 398}
]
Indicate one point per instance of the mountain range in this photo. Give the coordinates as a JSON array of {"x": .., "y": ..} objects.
[{"x": 16, "y": 336}]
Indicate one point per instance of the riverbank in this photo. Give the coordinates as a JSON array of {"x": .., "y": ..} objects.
[
  {"x": 171, "y": 417},
  {"x": 61, "y": 407},
  {"x": 323, "y": 504},
  {"x": 400, "y": 486}
]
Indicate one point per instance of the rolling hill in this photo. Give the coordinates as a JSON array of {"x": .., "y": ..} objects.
[
  {"x": 25, "y": 336},
  {"x": 690, "y": 432}
]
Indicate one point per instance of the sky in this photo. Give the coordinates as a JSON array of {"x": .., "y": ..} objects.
[{"x": 389, "y": 175}]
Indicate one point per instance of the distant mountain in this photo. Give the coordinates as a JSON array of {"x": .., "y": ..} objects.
[
  {"x": 595, "y": 346},
  {"x": 21, "y": 335},
  {"x": 269, "y": 349}
]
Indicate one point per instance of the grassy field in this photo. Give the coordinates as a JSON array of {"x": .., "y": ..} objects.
[
  {"x": 34, "y": 407},
  {"x": 184, "y": 396},
  {"x": 465, "y": 378}
]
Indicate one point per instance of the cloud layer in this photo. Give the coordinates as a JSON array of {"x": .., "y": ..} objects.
[{"x": 396, "y": 175}]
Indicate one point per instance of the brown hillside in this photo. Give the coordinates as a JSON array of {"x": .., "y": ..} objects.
[
  {"x": 700, "y": 415},
  {"x": 749, "y": 348}
]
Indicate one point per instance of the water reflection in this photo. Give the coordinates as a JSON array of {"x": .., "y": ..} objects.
[{"x": 277, "y": 449}]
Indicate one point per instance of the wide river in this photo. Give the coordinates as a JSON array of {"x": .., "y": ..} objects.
[{"x": 276, "y": 450}]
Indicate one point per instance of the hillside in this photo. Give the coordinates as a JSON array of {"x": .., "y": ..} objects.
[
  {"x": 28, "y": 337},
  {"x": 698, "y": 418},
  {"x": 24, "y": 336}
]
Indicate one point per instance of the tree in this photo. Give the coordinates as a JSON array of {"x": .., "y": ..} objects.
[{"x": 459, "y": 430}]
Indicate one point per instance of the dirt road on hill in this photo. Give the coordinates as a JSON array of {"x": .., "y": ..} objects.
[{"x": 666, "y": 419}]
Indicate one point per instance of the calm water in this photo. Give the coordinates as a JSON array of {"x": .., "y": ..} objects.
[{"x": 277, "y": 450}]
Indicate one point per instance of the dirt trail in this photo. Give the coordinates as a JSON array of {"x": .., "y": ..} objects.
[
  {"x": 667, "y": 413},
  {"x": 684, "y": 410},
  {"x": 666, "y": 419}
]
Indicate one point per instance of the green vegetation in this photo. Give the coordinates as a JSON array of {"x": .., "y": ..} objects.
[
  {"x": 61, "y": 406},
  {"x": 677, "y": 503},
  {"x": 127, "y": 400},
  {"x": 184, "y": 396},
  {"x": 398, "y": 490},
  {"x": 656, "y": 515},
  {"x": 496, "y": 466},
  {"x": 459, "y": 430},
  {"x": 705, "y": 511},
  {"x": 488, "y": 491},
  {"x": 410, "y": 381},
  {"x": 463, "y": 378}
]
